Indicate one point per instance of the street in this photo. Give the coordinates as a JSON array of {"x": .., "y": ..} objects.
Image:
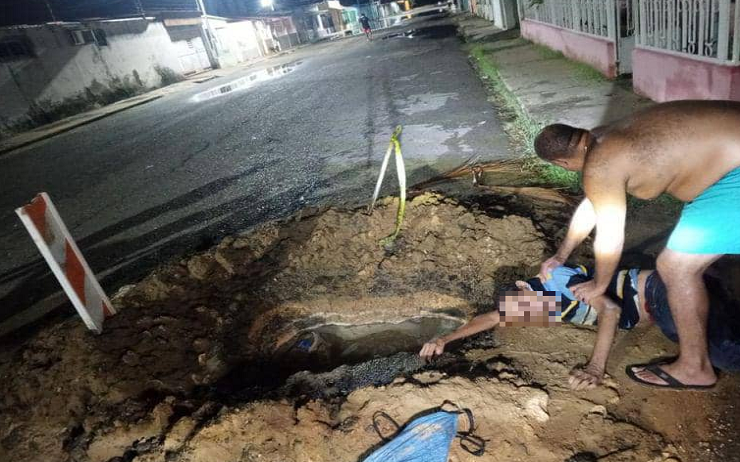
[{"x": 175, "y": 175}]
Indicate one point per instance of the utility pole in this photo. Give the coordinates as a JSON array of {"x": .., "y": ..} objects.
[
  {"x": 51, "y": 12},
  {"x": 210, "y": 36}
]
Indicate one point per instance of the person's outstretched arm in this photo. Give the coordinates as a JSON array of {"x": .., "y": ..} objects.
[
  {"x": 581, "y": 225},
  {"x": 478, "y": 324},
  {"x": 605, "y": 186},
  {"x": 592, "y": 375}
]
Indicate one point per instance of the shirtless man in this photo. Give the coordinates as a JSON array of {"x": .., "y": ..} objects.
[{"x": 688, "y": 149}]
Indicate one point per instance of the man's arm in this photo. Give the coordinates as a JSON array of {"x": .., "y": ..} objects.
[
  {"x": 581, "y": 225},
  {"x": 608, "y": 315},
  {"x": 476, "y": 325},
  {"x": 606, "y": 188}
]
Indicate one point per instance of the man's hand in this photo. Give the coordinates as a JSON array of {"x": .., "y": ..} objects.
[
  {"x": 587, "y": 378},
  {"x": 549, "y": 265},
  {"x": 587, "y": 291},
  {"x": 432, "y": 348}
]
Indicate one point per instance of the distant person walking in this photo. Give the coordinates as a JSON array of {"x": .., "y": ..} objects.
[{"x": 365, "y": 22}]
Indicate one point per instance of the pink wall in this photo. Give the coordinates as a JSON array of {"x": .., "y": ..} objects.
[
  {"x": 667, "y": 77},
  {"x": 597, "y": 52}
]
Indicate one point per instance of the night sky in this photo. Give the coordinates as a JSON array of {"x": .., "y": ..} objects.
[{"x": 16, "y": 12}]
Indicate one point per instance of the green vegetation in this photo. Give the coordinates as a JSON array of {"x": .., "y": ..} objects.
[
  {"x": 521, "y": 127},
  {"x": 43, "y": 112},
  {"x": 167, "y": 75},
  {"x": 581, "y": 70}
]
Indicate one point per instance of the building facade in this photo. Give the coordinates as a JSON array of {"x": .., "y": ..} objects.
[{"x": 673, "y": 49}]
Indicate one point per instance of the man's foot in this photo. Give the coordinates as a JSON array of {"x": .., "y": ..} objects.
[{"x": 672, "y": 376}]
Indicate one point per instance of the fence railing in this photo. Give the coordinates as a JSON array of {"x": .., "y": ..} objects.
[
  {"x": 701, "y": 28},
  {"x": 704, "y": 29},
  {"x": 595, "y": 17}
]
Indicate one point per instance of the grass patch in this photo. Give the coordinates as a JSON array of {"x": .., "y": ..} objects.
[
  {"x": 581, "y": 70},
  {"x": 521, "y": 127}
]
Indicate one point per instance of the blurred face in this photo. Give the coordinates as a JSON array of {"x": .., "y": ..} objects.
[{"x": 529, "y": 308}]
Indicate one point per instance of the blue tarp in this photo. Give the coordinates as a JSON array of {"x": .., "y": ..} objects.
[{"x": 426, "y": 439}]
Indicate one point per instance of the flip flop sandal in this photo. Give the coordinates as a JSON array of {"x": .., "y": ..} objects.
[{"x": 670, "y": 382}]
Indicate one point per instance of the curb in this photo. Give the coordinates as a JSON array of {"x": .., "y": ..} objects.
[{"x": 66, "y": 128}]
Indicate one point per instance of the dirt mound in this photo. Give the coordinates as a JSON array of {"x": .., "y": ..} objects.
[
  {"x": 518, "y": 421},
  {"x": 207, "y": 357},
  {"x": 189, "y": 324}
]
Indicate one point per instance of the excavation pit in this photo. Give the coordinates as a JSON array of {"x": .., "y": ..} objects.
[
  {"x": 332, "y": 345},
  {"x": 282, "y": 342}
]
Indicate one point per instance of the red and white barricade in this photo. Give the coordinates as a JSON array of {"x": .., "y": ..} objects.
[{"x": 47, "y": 229}]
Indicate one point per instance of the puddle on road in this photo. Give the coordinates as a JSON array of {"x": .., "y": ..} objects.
[
  {"x": 247, "y": 81},
  {"x": 434, "y": 32}
]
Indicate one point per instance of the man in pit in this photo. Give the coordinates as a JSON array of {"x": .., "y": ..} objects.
[
  {"x": 634, "y": 298},
  {"x": 688, "y": 149}
]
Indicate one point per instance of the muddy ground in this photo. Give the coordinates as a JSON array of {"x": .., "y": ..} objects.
[{"x": 280, "y": 344}]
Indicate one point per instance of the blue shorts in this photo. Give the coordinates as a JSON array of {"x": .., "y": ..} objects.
[
  {"x": 710, "y": 224},
  {"x": 723, "y": 334}
]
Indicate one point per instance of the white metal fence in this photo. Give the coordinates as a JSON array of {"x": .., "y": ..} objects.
[
  {"x": 595, "y": 17},
  {"x": 705, "y": 29},
  {"x": 701, "y": 28}
]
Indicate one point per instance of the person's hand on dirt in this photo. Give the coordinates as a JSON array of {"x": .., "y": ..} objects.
[
  {"x": 587, "y": 291},
  {"x": 432, "y": 348},
  {"x": 549, "y": 265},
  {"x": 586, "y": 378}
]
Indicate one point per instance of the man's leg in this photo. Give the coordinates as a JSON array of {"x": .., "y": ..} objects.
[{"x": 689, "y": 303}]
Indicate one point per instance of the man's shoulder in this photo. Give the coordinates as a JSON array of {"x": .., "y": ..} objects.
[{"x": 612, "y": 151}]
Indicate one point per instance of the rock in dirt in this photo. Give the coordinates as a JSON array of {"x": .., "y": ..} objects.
[
  {"x": 114, "y": 443},
  {"x": 201, "y": 266},
  {"x": 179, "y": 434}
]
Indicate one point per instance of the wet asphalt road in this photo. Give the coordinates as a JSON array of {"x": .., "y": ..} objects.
[{"x": 173, "y": 176}]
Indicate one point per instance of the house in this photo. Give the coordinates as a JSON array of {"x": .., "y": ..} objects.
[
  {"x": 329, "y": 19},
  {"x": 62, "y": 67},
  {"x": 56, "y": 69},
  {"x": 674, "y": 50},
  {"x": 502, "y": 13}
]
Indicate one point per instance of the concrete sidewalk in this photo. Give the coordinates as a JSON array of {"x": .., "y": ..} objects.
[
  {"x": 475, "y": 29},
  {"x": 549, "y": 87},
  {"x": 69, "y": 123},
  {"x": 535, "y": 86}
]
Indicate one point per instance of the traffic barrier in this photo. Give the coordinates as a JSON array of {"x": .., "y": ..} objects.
[{"x": 56, "y": 245}]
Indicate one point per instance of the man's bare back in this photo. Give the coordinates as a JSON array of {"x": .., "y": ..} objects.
[
  {"x": 689, "y": 149},
  {"x": 680, "y": 148}
]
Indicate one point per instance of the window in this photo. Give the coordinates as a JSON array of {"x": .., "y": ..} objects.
[
  {"x": 15, "y": 48},
  {"x": 100, "y": 37},
  {"x": 79, "y": 37},
  {"x": 85, "y": 36}
]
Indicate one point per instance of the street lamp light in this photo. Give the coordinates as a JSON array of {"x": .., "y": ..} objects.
[{"x": 267, "y": 4}]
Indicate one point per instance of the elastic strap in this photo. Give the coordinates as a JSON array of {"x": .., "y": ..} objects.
[
  {"x": 471, "y": 443},
  {"x": 376, "y": 425}
]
